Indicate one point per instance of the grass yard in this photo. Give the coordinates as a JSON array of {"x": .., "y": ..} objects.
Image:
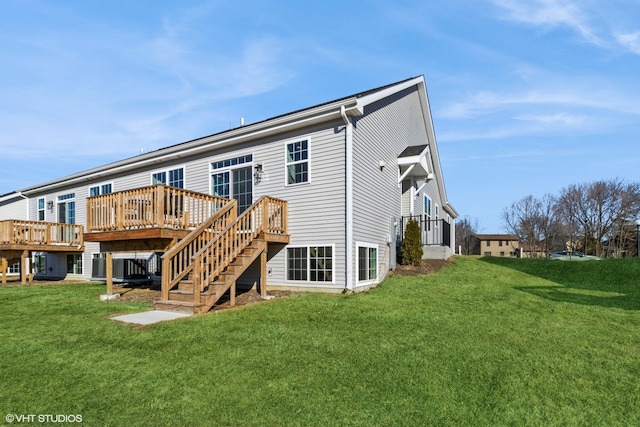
[{"x": 483, "y": 342}]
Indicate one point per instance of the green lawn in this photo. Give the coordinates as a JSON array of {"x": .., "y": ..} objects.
[{"x": 483, "y": 342}]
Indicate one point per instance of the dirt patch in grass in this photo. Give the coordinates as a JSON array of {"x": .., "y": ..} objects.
[
  {"x": 427, "y": 266},
  {"x": 151, "y": 294}
]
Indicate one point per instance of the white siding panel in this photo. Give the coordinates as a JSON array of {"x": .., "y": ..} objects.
[
  {"x": 14, "y": 209},
  {"x": 386, "y": 129}
]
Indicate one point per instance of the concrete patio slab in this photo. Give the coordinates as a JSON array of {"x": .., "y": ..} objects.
[{"x": 150, "y": 317}]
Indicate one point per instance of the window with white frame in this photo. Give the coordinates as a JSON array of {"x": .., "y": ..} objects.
[
  {"x": 67, "y": 208},
  {"x": 233, "y": 178},
  {"x": 172, "y": 178},
  {"x": 74, "y": 264},
  {"x": 427, "y": 207},
  {"x": 310, "y": 263},
  {"x": 14, "y": 268},
  {"x": 297, "y": 162},
  {"x": 40, "y": 263},
  {"x": 98, "y": 190},
  {"x": 41, "y": 209},
  {"x": 367, "y": 262}
]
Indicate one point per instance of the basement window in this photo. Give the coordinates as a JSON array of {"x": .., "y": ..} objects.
[{"x": 310, "y": 263}]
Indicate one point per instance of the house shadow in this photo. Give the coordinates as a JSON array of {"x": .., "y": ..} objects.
[{"x": 607, "y": 283}]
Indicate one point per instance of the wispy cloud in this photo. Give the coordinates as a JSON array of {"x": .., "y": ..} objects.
[
  {"x": 551, "y": 13},
  {"x": 631, "y": 41},
  {"x": 588, "y": 20},
  {"x": 488, "y": 102}
]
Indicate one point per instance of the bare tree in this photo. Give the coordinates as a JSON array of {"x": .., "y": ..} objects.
[
  {"x": 534, "y": 222},
  {"x": 596, "y": 210},
  {"x": 520, "y": 220},
  {"x": 465, "y": 228}
]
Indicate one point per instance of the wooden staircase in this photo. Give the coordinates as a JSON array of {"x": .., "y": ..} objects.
[{"x": 193, "y": 281}]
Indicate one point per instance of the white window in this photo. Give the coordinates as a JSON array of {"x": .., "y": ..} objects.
[
  {"x": 232, "y": 178},
  {"x": 41, "y": 209},
  {"x": 310, "y": 263},
  {"x": 297, "y": 162},
  {"x": 172, "y": 178},
  {"x": 74, "y": 264},
  {"x": 40, "y": 263},
  {"x": 100, "y": 189},
  {"x": 67, "y": 208},
  {"x": 427, "y": 207},
  {"x": 14, "y": 268},
  {"x": 367, "y": 262}
]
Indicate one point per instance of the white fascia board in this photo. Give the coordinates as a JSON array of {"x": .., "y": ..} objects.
[
  {"x": 376, "y": 96},
  {"x": 10, "y": 196},
  {"x": 435, "y": 158}
]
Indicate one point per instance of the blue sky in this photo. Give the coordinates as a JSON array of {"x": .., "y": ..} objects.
[{"x": 527, "y": 97}]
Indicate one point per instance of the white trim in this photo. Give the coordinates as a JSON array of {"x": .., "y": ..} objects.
[
  {"x": 309, "y": 281},
  {"x": 349, "y": 259}
]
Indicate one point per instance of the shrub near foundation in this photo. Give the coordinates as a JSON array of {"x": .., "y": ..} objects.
[{"x": 412, "y": 244}]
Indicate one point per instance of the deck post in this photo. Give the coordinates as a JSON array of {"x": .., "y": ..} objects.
[
  {"x": 109, "y": 267},
  {"x": 4, "y": 265},
  {"x": 31, "y": 267},
  {"x": 23, "y": 267},
  {"x": 109, "y": 273},
  {"x": 232, "y": 297},
  {"x": 263, "y": 273}
]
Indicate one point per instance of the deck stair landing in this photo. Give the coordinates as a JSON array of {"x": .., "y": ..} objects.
[{"x": 194, "y": 283}]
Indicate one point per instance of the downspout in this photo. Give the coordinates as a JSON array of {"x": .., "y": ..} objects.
[{"x": 348, "y": 198}]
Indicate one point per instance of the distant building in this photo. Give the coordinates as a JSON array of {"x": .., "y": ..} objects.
[{"x": 501, "y": 245}]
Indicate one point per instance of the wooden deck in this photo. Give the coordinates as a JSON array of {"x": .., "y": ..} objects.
[
  {"x": 147, "y": 219},
  {"x": 19, "y": 239}
]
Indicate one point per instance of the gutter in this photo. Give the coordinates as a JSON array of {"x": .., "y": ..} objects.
[{"x": 348, "y": 199}]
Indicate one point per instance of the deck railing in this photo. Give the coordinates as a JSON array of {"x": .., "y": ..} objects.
[
  {"x": 434, "y": 232},
  {"x": 159, "y": 206},
  {"x": 267, "y": 215},
  {"x": 177, "y": 261},
  {"x": 21, "y": 232}
]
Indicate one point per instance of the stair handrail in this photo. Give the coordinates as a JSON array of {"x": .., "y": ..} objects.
[
  {"x": 177, "y": 262},
  {"x": 217, "y": 254}
]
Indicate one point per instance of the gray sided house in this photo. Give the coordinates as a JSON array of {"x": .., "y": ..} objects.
[{"x": 346, "y": 175}]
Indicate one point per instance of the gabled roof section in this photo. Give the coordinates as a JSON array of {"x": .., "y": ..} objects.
[{"x": 415, "y": 162}]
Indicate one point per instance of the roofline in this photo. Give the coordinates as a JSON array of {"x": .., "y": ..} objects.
[
  {"x": 496, "y": 235},
  {"x": 353, "y": 105},
  {"x": 435, "y": 156}
]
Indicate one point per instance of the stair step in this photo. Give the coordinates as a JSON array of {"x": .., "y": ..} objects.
[
  {"x": 185, "y": 285},
  {"x": 180, "y": 306}
]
